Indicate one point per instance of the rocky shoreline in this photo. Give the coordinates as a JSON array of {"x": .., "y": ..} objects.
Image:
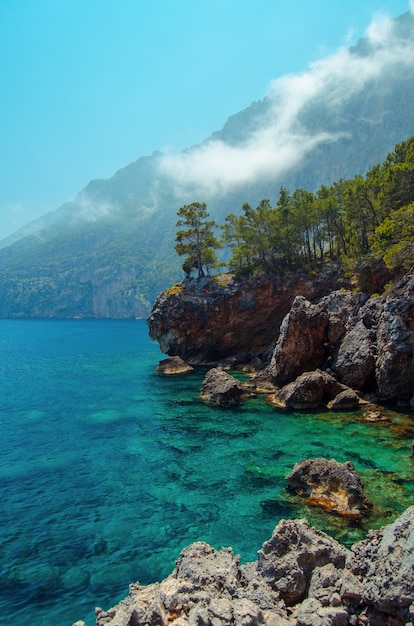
[
  {"x": 302, "y": 577},
  {"x": 284, "y": 328},
  {"x": 307, "y": 341}
]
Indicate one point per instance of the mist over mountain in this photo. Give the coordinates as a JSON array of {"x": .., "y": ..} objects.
[{"x": 109, "y": 252}]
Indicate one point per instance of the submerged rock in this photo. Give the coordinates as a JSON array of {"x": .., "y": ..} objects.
[
  {"x": 302, "y": 577},
  {"x": 334, "y": 486}
]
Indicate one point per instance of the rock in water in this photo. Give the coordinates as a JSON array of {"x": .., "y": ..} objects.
[
  {"x": 221, "y": 388},
  {"x": 173, "y": 365},
  {"x": 334, "y": 486}
]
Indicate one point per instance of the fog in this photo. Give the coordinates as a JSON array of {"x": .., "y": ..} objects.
[{"x": 281, "y": 141}]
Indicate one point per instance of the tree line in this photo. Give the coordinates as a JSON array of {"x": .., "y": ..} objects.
[{"x": 369, "y": 216}]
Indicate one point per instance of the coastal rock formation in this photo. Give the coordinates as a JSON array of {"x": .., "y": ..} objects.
[
  {"x": 293, "y": 325},
  {"x": 368, "y": 344},
  {"x": 334, "y": 486},
  {"x": 219, "y": 387},
  {"x": 308, "y": 391},
  {"x": 208, "y": 320},
  {"x": 394, "y": 366},
  {"x": 173, "y": 365},
  {"x": 302, "y": 577}
]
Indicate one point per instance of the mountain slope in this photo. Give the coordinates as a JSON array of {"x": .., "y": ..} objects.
[{"x": 110, "y": 251}]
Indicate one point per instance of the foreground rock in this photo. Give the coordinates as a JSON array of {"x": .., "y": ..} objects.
[
  {"x": 302, "y": 577},
  {"x": 221, "y": 388},
  {"x": 173, "y": 365},
  {"x": 334, "y": 486}
]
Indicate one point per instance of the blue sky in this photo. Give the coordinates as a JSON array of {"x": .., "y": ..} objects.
[{"x": 87, "y": 86}]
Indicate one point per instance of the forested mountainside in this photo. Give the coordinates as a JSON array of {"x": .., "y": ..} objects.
[{"x": 111, "y": 251}]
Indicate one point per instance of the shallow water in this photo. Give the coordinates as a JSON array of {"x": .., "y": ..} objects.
[{"x": 108, "y": 470}]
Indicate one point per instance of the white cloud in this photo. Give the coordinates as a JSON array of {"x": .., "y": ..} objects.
[{"x": 280, "y": 143}]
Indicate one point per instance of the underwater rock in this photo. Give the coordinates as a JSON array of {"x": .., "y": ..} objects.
[
  {"x": 302, "y": 577},
  {"x": 173, "y": 365},
  {"x": 221, "y": 388},
  {"x": 334, "y": 486}
]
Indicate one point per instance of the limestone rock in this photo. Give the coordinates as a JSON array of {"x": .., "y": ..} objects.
[
  {"x": 219, "y": 387},
  {"x": 355, "y": 361},
  {"x": 334, "y": 486},
  {"x": 289, "y": 558},
  {"x": 384, "y": 564},
  {"x": 309, "y": 391},
  {"x": 346, "y": 400},
  {"x": 208, "y": 320},
  {"x": 301, "y": 344},
  {"x": 310, "y": 332},
  {"x": 395, "y": 362},
  {"x": 302, "y": 577},
  {"x": 173, "y": 365}
]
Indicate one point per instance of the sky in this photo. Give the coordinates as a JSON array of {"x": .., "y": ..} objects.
[{"x": 88, "y": 86}]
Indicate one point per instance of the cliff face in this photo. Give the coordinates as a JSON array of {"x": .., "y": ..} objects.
[
  {"x": 209, "y": 320},
  {"x": 296, "y": 324}
]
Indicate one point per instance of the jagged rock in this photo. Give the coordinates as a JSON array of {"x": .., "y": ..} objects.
[
  {"x": 334, "y": 486},
  {"x": 209, "y": 320},
  {"x": 310, "y": 332},
  {"x": 384, "y": 564},
  {"x": 173, "y": 365},
  {"x": 288, "y": 559},
  {"x": 394, "y": 367},
  {"x": 219, "y": 387},
  {"x": 308, "y": 391},
  {"x": 355, "y": 362},
  {"x": 321, "y": 582},
  {"x": 346, "y": 400},
  {"x": 301, "y": 344}
]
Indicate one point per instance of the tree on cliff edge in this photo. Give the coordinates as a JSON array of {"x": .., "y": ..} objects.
[{"x": 198, "y": 242}]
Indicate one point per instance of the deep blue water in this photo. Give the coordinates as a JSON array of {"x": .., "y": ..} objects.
[{"x": 108, "y": 469}]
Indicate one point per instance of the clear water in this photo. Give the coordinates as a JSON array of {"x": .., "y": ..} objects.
[{"x": 108, "y": 470}]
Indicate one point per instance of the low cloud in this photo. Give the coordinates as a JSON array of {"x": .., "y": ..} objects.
[{"x": 281, "y": 141}]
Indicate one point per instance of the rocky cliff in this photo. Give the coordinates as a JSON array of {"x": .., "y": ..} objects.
[
  {"x": 302, "y": 577},
  {"x": 295, "y": 324},
  {"x": 213, "y": 319}
]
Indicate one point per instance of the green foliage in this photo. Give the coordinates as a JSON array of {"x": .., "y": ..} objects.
[
  {"x": 394, "y": 238},
  {"x": 198, "y": 241},
  {"x": 363, "y": 222},
  {"x": 353, "y": 220}
]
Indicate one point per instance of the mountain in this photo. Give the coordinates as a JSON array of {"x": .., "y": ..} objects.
[{"x": 110, "y": 251}]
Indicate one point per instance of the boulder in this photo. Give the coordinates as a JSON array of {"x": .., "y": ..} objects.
[
  {"x": 308, "y": 391},
  {"x": 219, "y": 387},
  {"x": 173, "y": 365},
  {"x": 345, "y": 401},
  {"x": 334, "y": 486}
]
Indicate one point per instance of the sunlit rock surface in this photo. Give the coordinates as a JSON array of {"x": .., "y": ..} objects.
[{"x": 301, "y": 577}]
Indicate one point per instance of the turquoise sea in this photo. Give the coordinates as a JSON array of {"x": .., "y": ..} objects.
[{"x": 108, "y": 469}]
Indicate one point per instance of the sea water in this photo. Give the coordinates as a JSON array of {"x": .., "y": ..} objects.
[{"x": 108, "y": 469}]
